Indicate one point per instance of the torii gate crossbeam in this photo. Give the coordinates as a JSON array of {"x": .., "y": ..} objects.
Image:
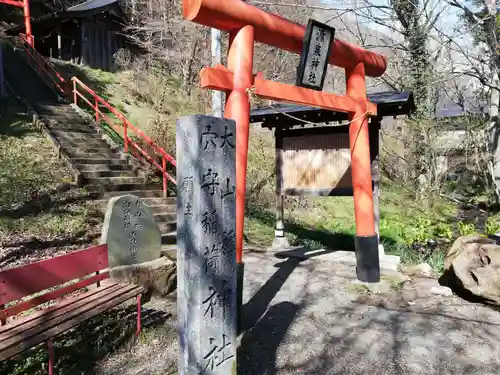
[{"x": 25, "y": 5}]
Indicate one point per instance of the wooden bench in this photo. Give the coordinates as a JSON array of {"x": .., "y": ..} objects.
[{"x": 59, "y": 280}]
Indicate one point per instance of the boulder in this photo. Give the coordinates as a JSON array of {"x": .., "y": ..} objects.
[
  {"x": 472, "y": 269},
  {"x": 157, "y": 276}
]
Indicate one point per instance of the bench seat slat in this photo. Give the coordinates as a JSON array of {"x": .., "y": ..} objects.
[
  {"x": 26, "y": 323},
  {"x": 46, "y": 329},
  {"x": 33, "y": 302},
  {"x": 32, "y": 326},
  {"x": 16, "y": 283}
]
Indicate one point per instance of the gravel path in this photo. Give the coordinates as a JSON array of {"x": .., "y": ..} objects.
[{"x": 311, "y": 318}]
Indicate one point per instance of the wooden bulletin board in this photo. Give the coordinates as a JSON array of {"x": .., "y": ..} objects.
[{"x": 317, "y": 161}]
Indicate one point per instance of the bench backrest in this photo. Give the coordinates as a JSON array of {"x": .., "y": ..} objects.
[{"x": 17, "y": 283}]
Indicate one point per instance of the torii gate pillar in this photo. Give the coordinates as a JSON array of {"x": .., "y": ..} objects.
[
  {"x": 240, "y": 62},
  {"x": 366, "y": 240}
]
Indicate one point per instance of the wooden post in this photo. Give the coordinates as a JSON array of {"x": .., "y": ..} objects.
[
  {"x": 104, "y": 47},
  {"x": 72, "y": 52},
  {"x": 91, "y": 43},
  {"x": 110, "y": 49},
  {"x": 375, "y": 127},
  {"x": 83, "y": 43},
  {"x": 98, "y": 46},
  {"x": 280, "y": 241},
  {"x": 59, "y": 43}
]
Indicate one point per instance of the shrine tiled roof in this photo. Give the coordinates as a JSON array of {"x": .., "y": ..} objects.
[
  {"x": 390, "y": 103},
  {"x": 91, "y": 5}
]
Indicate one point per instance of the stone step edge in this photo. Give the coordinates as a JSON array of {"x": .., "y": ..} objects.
[
  {"x": 108, "y": 140},
  {"x": 56, "y": 146}
]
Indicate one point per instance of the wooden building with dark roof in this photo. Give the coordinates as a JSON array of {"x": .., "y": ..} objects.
[
  {"x": 88, "y": 33},
  {"x": 313, "y": 150}
]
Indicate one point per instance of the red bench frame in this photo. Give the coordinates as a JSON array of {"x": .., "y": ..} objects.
[{"x": 85, "y": 268}]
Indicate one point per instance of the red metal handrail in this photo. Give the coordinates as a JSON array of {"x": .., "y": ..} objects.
[
  {"x": 42, "y": 65},
  {"x": 125, "y": 126}
]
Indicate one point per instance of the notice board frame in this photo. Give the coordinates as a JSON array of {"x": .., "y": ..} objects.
[{"x": 281, "y": 134}]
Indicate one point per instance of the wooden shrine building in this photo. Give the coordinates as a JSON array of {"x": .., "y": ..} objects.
[
  {"x": 312, "y": 148},
  {"x": 88, "y": 33}
]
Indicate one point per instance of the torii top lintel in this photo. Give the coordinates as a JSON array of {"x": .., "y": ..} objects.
[{"x": 273, "y": 30}]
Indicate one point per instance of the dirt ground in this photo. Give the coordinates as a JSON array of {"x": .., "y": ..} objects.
[{"x": 311, "y": 317}]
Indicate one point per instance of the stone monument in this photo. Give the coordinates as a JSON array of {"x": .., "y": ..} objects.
[
  {"x": 206, "y": 246},
  {"x": 131, "y": 232}
]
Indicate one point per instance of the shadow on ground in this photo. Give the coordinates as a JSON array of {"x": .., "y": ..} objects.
[
  {"x": 265, "y": 327},
  {"x": 20, "y": 245},
  {"x": 79, "y": 350},
  {"x": 45, "y": 201},
  {"x": 317, "y": 333},
  {"x": 10, "y": 113}
]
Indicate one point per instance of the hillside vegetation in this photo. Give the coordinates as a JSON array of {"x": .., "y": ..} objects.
[
  {"x": 153, "y": 103},
  {"x": 41, "y": 212}
]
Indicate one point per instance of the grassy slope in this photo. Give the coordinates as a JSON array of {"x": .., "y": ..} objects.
[{"x": 40, "y": 211}]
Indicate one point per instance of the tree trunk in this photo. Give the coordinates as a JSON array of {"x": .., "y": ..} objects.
[
  {"x": 494, "y": 128},
  {"x": 490, "y": 29},
  {"x": 187, "y": 68}
]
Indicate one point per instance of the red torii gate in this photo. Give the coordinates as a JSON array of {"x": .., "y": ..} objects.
[
  {"x": 247, "y": 24},
  {"x": 25, "y": 5}
]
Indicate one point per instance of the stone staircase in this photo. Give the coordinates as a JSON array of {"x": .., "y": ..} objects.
[{"x": 98, "y": 164}]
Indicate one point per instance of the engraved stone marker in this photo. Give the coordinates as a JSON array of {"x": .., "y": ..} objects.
[
  {"x": 131, "y": 232},
  {"x": 206, "y": 246}
]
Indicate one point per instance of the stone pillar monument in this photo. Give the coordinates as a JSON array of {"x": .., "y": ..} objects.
[{"x": 206, "y": 246}]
